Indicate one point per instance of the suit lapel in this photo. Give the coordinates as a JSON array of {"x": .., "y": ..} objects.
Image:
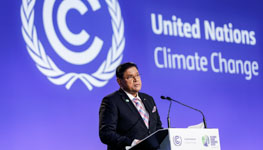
[
  {"x": 130, "y": 104},
  {"x": 127, "y": 101}
]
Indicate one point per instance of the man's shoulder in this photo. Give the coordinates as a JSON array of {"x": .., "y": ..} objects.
[
  {"x": 115, "y": 95},
  {"x": 144, "y": 95},
  {"x": 121, "y": 94}
]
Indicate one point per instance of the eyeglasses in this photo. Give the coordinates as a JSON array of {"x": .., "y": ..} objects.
[{"x": 131, "y": 77}]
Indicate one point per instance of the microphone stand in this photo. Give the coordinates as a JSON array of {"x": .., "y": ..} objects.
[
  {"x": 168, "y": 116},
  {"x": 170, "y": 99}
]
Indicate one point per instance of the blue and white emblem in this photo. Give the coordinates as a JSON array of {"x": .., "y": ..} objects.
[{"x": 56, "y": 25}]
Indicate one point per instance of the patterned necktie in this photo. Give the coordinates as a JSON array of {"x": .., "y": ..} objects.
[{"x": 142, "y": 111}]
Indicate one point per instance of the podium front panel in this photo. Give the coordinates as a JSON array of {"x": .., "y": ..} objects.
[{"x": 194, "y": 139}]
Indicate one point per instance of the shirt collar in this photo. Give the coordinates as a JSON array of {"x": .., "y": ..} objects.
[{"x": 131, "y": 97}]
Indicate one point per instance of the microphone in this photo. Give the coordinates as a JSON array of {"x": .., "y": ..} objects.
[
  {"x": 168, "y": 116},
  {"x": 170, "y": 99}
]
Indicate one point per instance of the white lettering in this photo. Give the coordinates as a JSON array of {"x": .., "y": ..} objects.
[{"x": 232, "y": 66}]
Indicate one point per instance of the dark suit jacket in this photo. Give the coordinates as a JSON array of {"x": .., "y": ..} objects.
[{"x": 120, "y": 122}]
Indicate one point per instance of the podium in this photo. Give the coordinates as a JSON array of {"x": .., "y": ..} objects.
[{"x": 180, "y": 139}]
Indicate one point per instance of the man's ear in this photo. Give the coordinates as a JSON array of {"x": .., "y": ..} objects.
[{"x": 119, "y": 81}]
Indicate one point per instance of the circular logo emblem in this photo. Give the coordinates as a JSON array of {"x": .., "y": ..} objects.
[
  {"x": 205, "y": 140},
  {"x": 47, "y": 66},
  {"x": 177, "y": 140}
]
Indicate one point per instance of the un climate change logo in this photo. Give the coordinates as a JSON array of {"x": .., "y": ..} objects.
[{"x": 48, "y": 67}]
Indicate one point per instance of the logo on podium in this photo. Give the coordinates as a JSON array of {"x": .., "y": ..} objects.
[
  {"x": 177, "y": 140},
  {"x": 205, "y": 140}
]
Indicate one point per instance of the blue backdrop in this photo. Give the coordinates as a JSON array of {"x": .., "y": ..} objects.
[{"x": 207, "y": 54}]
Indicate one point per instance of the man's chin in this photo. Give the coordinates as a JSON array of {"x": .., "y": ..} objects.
[{"x": 137, "y": 90}]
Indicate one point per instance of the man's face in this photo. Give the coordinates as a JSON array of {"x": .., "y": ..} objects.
[{"x": 131, "y": 81}]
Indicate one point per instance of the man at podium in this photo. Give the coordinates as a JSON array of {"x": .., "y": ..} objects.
[{"x": 127, "y": 116}]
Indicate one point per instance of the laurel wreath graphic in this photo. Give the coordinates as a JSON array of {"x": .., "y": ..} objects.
[{"x": 46, "y": 65}]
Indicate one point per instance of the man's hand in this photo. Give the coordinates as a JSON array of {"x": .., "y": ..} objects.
[{"x": 135, "y": 141}]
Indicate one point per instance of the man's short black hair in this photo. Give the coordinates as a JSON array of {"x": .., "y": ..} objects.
[{"x": 123, "y": 67}]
